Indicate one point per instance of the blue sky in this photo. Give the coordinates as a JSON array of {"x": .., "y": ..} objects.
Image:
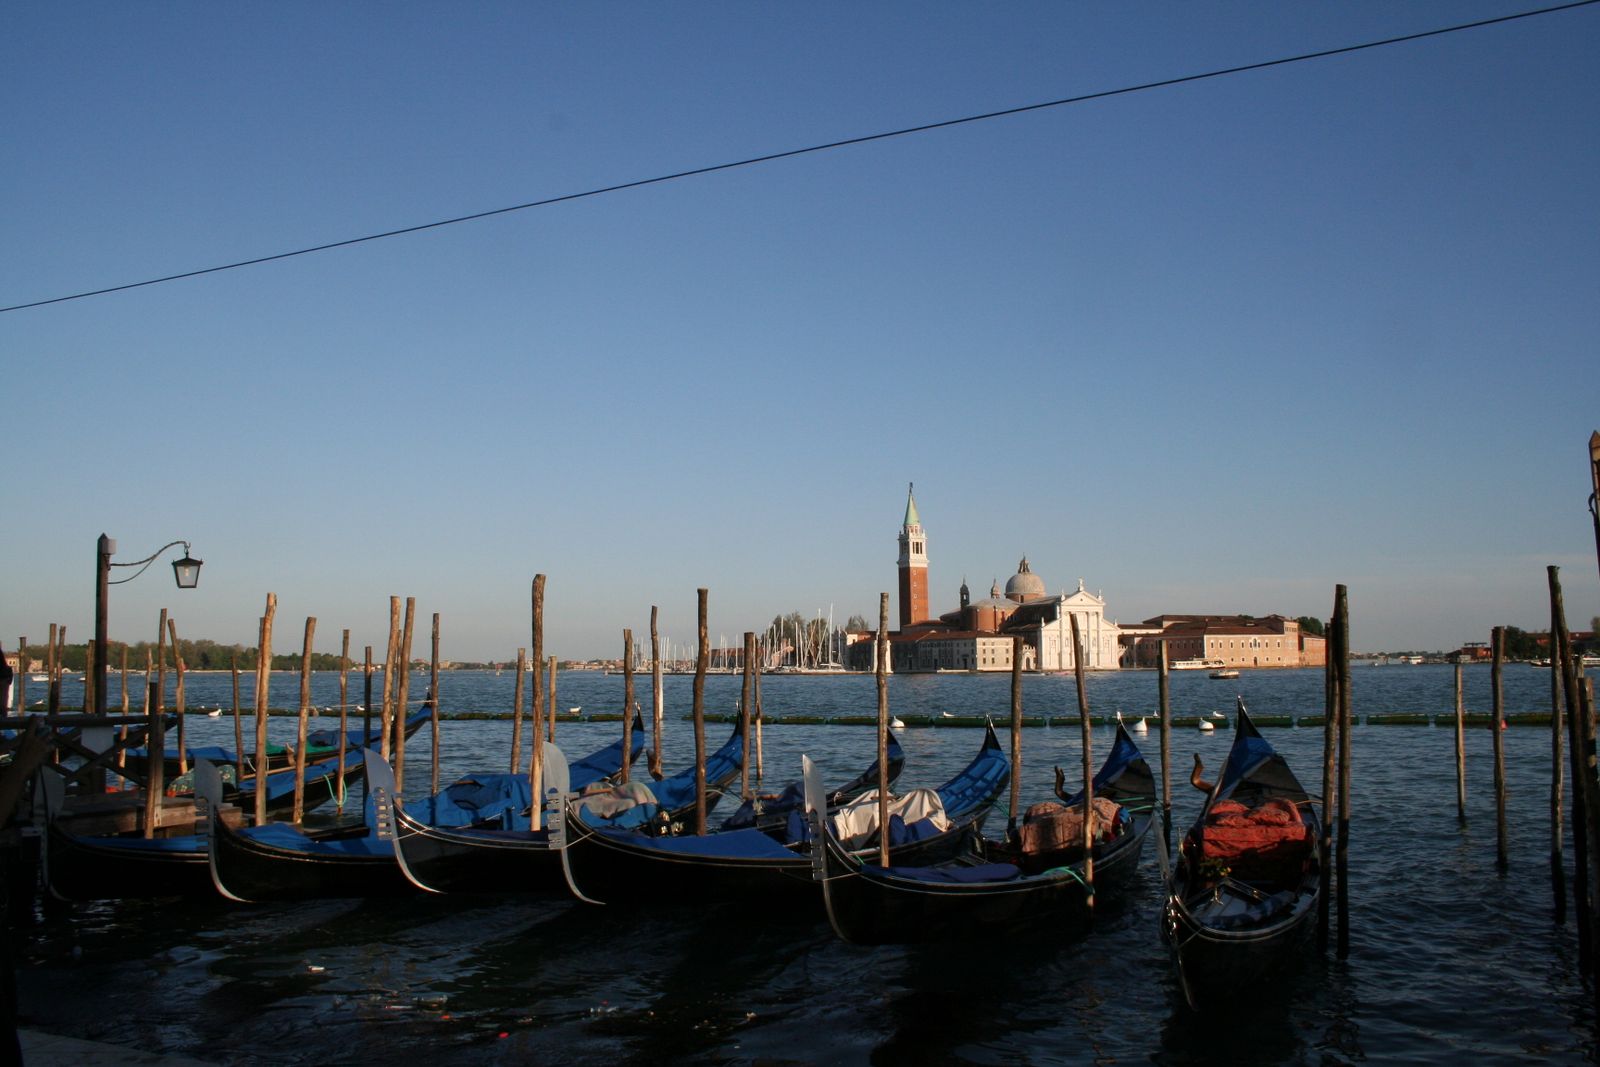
[{"x": 1214, "y": 347}]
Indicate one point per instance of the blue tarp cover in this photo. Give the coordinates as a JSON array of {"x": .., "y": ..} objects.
[
  {"x": 284, "y": 835},
  {"x": 751, "y": 844},
  {"x": 978, "y": 783},
  {"x": 677, "y": 792},
  {"x": 984, "y": 872},
  {"x": 478, "y": 799}
]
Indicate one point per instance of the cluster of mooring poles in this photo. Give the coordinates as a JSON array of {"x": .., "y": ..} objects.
[{"x": 1572, "y": 754}]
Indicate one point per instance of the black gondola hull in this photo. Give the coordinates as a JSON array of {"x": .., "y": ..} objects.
[
  {"x": 868, "y": 910},
  {"x": 248, "y": 870},
  {"x": 444, "y": 860},
  {"x": 1213, "y": 966},
  {"x": 105, "y": 868}
]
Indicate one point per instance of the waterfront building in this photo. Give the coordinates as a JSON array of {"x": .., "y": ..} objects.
[
  {"x": 1233, "y": 641},
  {"x": 977, "y": 636}
]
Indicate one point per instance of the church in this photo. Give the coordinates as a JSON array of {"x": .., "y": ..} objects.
[{"x": 977, "y": 636}]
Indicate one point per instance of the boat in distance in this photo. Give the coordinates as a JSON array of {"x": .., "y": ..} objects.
[{"x": 1199, "y": 665}]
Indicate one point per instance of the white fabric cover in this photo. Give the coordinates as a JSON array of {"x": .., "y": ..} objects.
[
  {"x": 856, "y": 823},
  {"x": 609, "y": 803}
]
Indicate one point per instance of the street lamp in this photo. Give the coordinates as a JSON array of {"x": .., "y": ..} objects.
[{"x": 185, "y": 571}]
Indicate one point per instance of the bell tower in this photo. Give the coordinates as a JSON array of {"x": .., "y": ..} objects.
[{"x": 913, "y": 564}]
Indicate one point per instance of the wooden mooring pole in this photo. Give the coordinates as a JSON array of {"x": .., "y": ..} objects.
[
  {"x": 52, "y": 682},
  {"x": 1166, "y": 745},
  {"x": 1497, "y": 723},
  {"x": 1088, "y": 767},
  {"x": 516, "y": 710},
  {"x": 366, "y": 700},
  {"x": 402, "y": 696},
  {"x": 263, "y": 683},
  {"x": 657, "y": 702},
  {"x": 433, "y": 702},
  {"x": 180, "y": 697},
  {"x": 1342, "y": 855},
  {"x": 1016, "y": 733},
  {"x": 390, "y": 656},
  {"x": 1330, "y": 775},
  {"x": 703, "y": 653},
  {"x": 238, "y": 723},
  {"x": 344, "y": 707},
  {"x": 881, "y": 674},
  {"x": 550, "y": 732},
  {"x": 1461, "y": 750},
  {"x": 627, "y": 704},
  {"x": 746, "y": 696},
  {"x": 155, "y": 767},
  {"x": 1585, "y": 791},
  {"x": 760, "y": 717},
  {"x": 1558, "y": 874},
  {"x": 302, "y": 719},
  {"x": 536, "y": 711}
]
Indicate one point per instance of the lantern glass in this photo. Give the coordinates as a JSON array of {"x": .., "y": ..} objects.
[{"x": 186, "y": 571}]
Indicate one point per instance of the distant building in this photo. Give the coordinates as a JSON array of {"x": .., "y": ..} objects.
[
  {"x": 1235, "y": 641},
  {"x": 978, "y": 636}
]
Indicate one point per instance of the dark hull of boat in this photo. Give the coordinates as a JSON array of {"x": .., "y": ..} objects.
[
  {"x": 619, "y": 867},
  {"x": 1215, "y": 966},
  {"x": 99, "y": 868},
  {"x": 871, "y": 910},
  {"x": 252, "y": 871},
  {"x": 614, "y": 866},
  {"x": 442, "y": 860}
]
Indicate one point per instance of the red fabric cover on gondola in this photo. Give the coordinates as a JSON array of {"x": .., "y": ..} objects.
[
  {"x": 1267, "y": 843},
  {"x": 1050, "y": 827}
]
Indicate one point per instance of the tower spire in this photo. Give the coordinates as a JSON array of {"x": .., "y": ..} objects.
[{"x": 913, "y": 565}]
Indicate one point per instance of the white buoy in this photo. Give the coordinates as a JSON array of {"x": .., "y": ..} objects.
[
  {"x": 1205, "y": 725},
  {"x": 896, "y": 724},
  {"x": 1141, "y": 727}
]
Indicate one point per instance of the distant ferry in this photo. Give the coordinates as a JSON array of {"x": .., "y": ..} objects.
[{"x": 1199, "y": 665}]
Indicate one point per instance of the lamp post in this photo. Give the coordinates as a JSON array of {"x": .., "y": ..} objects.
[{"x": 185, "y": 571}]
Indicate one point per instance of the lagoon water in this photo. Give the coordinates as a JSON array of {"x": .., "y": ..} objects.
[{"x": 1449, "y": 959}]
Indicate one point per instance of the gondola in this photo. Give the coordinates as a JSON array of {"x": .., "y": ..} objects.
[
  {"x": 515, "y": 859},
  {"x": 280, "y": 861},
  {"x": 771, "y": 870},
  {"x": 1244, "y": 886},
  {"x": 990, "y": 885},
  {"x": 117, "y": 866}
]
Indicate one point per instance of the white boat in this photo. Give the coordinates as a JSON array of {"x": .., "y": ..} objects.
[
  {"x": 1226, "y": 672},
  {"x": 1198, "y": 665}
]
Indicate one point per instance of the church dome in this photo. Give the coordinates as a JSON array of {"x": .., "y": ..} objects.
[{"x": 1024, "y": 585}]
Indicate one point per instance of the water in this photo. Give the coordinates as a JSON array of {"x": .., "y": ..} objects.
[{"x": 1448, "y": 958}]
